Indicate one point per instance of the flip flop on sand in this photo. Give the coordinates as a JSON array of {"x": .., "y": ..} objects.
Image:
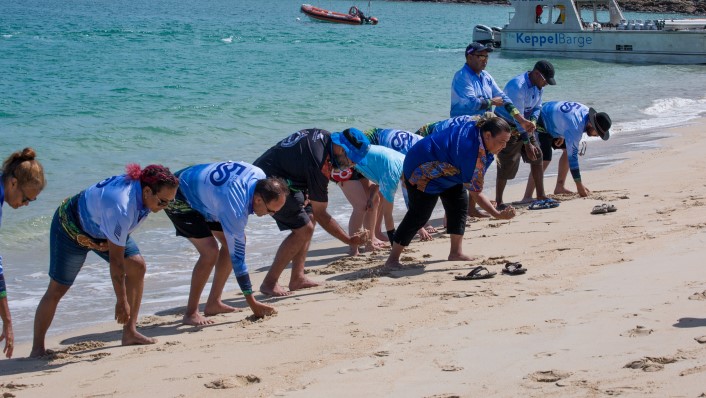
[
  {"x": 544, "y": 204},
  {"x": 603, "y": 208},
  {"x": 478, "y": 272},
  {"x": 514, "y": 269}
]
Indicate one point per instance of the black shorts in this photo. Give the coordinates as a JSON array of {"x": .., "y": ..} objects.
[
  {"x": 189, "y": 223},
  {"x": 293, "y": 214},
  {"x": 546, "y": 143}
]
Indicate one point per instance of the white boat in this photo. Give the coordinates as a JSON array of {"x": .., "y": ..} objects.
[{"x": 556, "y": 28}]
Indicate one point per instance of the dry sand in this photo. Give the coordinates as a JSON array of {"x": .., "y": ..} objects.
[{"x": 611, "y": 305}]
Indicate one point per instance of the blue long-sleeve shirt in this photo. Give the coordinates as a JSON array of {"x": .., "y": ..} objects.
[
  {"x": 526, "y": 97},
  {"x": 223, "y": 192},
  {"x": 567, "y": 120},
  {"x": 453, "y": 154},
  {"x": 471, "y": 93}
]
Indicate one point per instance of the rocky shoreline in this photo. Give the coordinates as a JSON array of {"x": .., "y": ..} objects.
[{"x": 668, "y": 6}]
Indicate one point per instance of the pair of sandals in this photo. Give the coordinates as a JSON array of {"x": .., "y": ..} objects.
[
  {"x": 544, "y": 204},
  {"x": 481, "y": 272},
  {"x": 603, "y": 208}
]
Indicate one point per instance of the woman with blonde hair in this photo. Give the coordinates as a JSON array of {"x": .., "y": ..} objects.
[{"x": 21, "y": 181}]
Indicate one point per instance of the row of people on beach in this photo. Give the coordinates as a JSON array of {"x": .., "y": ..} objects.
[{"x": 209, "y": 203}]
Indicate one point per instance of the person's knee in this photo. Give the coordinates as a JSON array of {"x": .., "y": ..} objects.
[
  {"x": 56, "y": 291},
  {"x": 135, "y": 266},
  {"x": 306, "y": 231}
]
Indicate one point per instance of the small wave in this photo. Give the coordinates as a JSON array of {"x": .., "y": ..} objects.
[
  {"x": 665, "y": 112},
  {"x": 227, "y": 39},
  {"x": 6, "y": 36}
]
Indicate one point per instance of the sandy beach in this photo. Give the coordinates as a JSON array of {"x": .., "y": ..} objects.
[{"x": 611, "y": 305}]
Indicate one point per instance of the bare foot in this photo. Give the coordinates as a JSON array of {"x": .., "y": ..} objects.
[
  {"x": 430, "y": 229},
  {"x": 301, "y": 283},
  {"x": 196, "y": 319},
  {"x": 275, "y": 290},
  {"x": 477, "y": 214},
  {"x": 382, "y": 237},
  {"x": 460, "y": 257},
  {"x": 38, "y": 352},
  {"x": 562, "y": 190},
  {"x": 135, "y": 338},
  {"x": 393, "y": 264},
  {"x": 370, "y": 248},
  {"x": 218, "y": 308},
  {"x": 353, "y": 252},
  {"x": 526, "y": 200}
]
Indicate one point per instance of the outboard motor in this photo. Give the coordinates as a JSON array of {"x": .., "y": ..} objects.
[{"x": 483, "y": 34}]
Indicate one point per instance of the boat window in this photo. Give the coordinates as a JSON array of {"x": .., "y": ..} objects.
[{"x": 560, "y": 12}]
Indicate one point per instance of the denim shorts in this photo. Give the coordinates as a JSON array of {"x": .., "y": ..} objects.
[{"x": 66, "y": 256}]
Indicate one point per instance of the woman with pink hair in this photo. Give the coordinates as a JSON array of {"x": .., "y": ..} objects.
[{"x": 100, "y": 219}]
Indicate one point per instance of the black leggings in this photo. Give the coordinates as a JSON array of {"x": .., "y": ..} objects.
[{"x": 421, "y": 205}]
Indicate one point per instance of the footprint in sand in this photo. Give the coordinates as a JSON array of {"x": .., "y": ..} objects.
[
  {"x": 638, "y": 331},
  {"x": 698, "y": 296},
  {"x": 548, "y": 376},
  {"x": 650, "y": 364},
  {"x": 700, "y": 340},
  {"x": 232, "y": 382}
]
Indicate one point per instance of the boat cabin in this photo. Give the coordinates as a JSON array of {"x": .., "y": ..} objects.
[{"x": 563, "y": 15}]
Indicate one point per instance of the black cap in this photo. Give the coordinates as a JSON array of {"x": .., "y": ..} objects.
[
  {"x": 547, "y": 70},
  {"x": 601, "y": 122},
  {"x": 477, "y": 47}
]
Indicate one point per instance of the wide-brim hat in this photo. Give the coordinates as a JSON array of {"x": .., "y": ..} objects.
[
  {"x": 354, "y": 143},
  {"x": 601, "y": 122}
]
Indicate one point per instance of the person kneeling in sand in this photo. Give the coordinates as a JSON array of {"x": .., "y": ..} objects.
[
  {"x": 100, "y": 219},
  {"x": 561, "y": 126},
  {"x": 305, "y": 160},
  {"x": 444, "y": 165},
  {"x": 212, "y": 205}
]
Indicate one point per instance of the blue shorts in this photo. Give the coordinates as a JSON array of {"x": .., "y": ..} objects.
[{"x": 66, "y": 256}]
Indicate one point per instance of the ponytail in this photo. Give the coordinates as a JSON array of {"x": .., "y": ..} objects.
[
  {"x": 492, "y": 123},
  {"x": 154, "y": 176}
]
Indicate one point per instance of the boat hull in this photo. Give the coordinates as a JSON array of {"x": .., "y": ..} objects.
[
  {"x": 660, "y": 47},
  {"x": 320, "y": 14}
]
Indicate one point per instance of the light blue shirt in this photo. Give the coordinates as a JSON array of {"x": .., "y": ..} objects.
[
  {"x": 526, "y": 97},
  {"x": 399, "y": 140},
  {"x": 567, "y": 120},
  {"x": 223, "y": 192},
  {"x": 112, "y": 208},
  {"x": 384, "y": 167},
  {"x": 471, "y": 93}
]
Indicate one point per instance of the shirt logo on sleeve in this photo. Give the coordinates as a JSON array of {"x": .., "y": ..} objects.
[{"x": 118, "y": 231}]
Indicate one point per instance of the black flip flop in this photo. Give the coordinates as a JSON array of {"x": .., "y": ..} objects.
[
  {"x": 478, "y": 272},
  {"x": 514, "y": 269}
]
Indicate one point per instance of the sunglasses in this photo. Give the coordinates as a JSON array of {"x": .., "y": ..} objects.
[
  {"x": 162, "y": 202},
  {"x": 269, "y": 211}
]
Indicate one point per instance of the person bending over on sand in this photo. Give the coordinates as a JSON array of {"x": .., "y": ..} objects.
[
  {"x": 212, "y": 205},
  {"x": 357, "y": 188},
  {"x": 525, "y": 90},
  {"x": 444, "y": 165},
  {"x": 401, "y": 141},
  {"x": 474, "y": 92},
  {"x": 100, "y": 219},
  {"x": 561, "y": 125},
  {"x": 21, "y": 181},
  {"x": 305, "y": 160}
]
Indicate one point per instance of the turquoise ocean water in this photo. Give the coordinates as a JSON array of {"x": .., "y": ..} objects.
[{"x": 93, "y": 85}]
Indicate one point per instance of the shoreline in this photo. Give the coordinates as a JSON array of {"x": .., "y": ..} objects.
[{"x": 630, "y": 280}]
